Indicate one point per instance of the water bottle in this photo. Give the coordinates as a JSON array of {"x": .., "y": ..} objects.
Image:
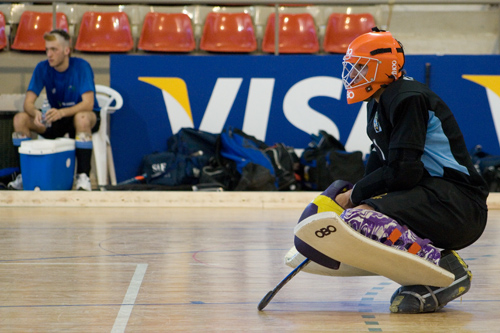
[{"x": 45, "y": 108}]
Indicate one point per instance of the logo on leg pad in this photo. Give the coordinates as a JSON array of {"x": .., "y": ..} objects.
[{"x": 325, "y": 231}]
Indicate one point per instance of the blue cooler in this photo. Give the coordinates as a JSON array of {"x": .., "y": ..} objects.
[{"x": 48, "y": 164}]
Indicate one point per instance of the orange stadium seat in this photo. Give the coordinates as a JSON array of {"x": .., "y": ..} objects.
[
  {"x": 104, "y": 32},
  {"x": 32, "y": 26},
  {"x": 3, "y": 38},
  {"x": 167, "y": 32},
  {"x": 342, "y": 29},
  {"x": 228, "y": 32},
  {"x": 297, "y": 34}
]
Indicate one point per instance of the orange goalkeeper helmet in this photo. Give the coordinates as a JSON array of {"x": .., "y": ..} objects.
[{"x": 372, "y": 61}]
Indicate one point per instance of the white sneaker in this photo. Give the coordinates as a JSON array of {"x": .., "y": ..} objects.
[
  {"x": 83, "y": 182},
  {"x": 16, "y": 184}
]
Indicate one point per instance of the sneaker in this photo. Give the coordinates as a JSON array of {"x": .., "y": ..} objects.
[
  {"x": 420, "y": 299},
  {"x": 16, "y": 184},
  {"x": 83, "y": 182}
]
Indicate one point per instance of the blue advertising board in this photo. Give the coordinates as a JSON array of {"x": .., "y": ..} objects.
[{"x": 282, "y": 98}]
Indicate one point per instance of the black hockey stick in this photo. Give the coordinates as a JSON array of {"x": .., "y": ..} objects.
[{"x": 269, "y": 296}]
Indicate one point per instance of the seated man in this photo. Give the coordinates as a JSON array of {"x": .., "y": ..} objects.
[{"x": 70, "y": 88}]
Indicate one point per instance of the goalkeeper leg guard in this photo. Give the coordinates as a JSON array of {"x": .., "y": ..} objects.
[
  {"x": 384, "y": 229},
  {"x": 322, "y": 203}
]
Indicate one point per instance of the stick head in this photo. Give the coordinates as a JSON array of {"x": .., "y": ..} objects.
[{"x": 265, "y": 300}]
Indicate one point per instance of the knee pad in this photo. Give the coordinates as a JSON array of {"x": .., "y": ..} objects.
[
  {"x": 83, "y": 140},
  {"x": 18, "y": 137},
  {"x": 322, "y": 203},
  {"x": 388, "y": 231}
]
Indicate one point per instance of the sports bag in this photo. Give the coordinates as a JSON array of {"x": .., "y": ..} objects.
[
  {"x": 173, "y": 169},
  {"x": 488, "y": 166},
  {"x": 326, "y": 160},
  {"x": 189, "y": 141},
  {"x": 249, "y": 159},
  {"x": 188, "y": 151},
  {"x": 285, "y": 163}
]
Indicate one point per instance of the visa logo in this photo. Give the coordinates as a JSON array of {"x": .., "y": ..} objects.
[{"x": 295, "y": 106}]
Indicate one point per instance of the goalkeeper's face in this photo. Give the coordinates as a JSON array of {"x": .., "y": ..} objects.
[{"x": 358, "y": 73}]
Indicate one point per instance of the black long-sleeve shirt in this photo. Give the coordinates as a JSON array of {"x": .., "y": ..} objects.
[{"x": 414, "y": 135}]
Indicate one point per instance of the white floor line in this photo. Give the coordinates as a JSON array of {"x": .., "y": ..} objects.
[{"x": 129, "y": 299}]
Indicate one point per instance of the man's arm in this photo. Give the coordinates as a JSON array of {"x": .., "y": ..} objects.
[
  {"x": 29, "y": 106},
  {"x": 87, "y": 104},
  {"x": 29, "y": 103}
]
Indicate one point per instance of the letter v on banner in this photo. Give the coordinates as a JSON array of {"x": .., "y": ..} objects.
[
  {"x": 220, "y": 104},
  {"x": 176, "y": 98},
  {"x": 492, "y": 85},
  {"x": 257, "y": 108}
]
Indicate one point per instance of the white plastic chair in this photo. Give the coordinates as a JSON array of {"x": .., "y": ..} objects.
[{"x": 109, "y": 100}]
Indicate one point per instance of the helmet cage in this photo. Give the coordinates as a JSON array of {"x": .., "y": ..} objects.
[{"x": 354, "y": 66}]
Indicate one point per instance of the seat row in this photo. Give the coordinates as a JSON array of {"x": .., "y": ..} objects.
[{"x": 226, "y": 32}]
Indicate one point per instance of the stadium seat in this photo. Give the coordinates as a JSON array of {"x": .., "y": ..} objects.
[
  {"x": 104, "y": 32},
  {"x": 110, "y": 101},
  {"x": 32, "y": 26},
  {"x": 228, "y": 32},
  {"x": 167, "y": 32},
  {"x": 3, "y": 38},
  {"x": 297, "y": 34},
  {"x": 342, "y": 29}
]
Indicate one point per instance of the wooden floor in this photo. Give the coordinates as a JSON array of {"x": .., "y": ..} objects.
[{"x": 200, "y": 269}]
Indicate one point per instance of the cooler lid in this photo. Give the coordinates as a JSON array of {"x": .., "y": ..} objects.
[{"x": 46, "y": 146}]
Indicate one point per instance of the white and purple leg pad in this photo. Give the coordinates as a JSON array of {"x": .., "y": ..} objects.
[
  {"x": 384, "y": 229},
  {"x": 293, "y": 258},
  {"x": 327, "y": 233},
  {"x": 323, "y": 202}
]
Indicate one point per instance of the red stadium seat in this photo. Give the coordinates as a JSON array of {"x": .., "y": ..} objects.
[
  {"x": 3, "y": 38},
  {"x": 297, "y": 34},
  {"x": 167, "y": 32},
  {"x": 342, "y": 29},
  {"x": 32, "y": 26},
  {"x": 228, "y": 32},
  {"x": 104, "y": 32}
]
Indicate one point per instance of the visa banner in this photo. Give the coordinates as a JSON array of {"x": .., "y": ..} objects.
[{"x": 282, "y": 98}]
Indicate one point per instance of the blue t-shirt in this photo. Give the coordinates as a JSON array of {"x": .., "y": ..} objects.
[{"x": 64, "y": 89}]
